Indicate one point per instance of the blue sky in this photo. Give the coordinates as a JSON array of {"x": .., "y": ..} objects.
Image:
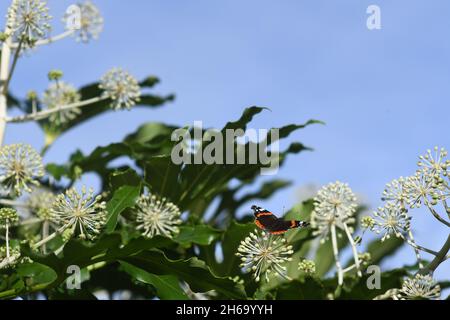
[{"x": 383, "y": 94}]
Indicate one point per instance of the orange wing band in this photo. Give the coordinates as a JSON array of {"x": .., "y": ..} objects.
[{"x": 259, "y": 224}]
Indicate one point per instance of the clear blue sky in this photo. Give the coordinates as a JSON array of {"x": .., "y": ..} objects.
[{"x": 384, "y": 94}]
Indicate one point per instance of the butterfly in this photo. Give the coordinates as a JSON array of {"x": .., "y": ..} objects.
[{"x": 266, "y": 220}]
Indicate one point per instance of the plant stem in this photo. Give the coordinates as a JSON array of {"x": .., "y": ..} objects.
[
  {"x": 354, "y": 249},
  {"x": 436, "y": 215},
  {"x": 48, "y": 238},
  {"x": 4, "y": 71},
  {"x": 412, "y": 243},
  {"x": 336, "y": 255},
  {"x": 45, "y": 228},
  {"x": 13, "y": 67},
  {"x": 58, "y": 37},
  {"x": 13, "y": 203},
  {"x": 440, "y": 257},
  {"x": 47, "y": 112}
]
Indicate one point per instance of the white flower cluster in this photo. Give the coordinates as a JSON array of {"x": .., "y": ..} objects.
[
  {"x": 334, "y": 211},
  {"x": 429, "y": 186},
  {"x": 28, "y": 21},
  {"x": 335, "y": 206},
  {"x": 61, "y": 94},
  {"x": 20, "y": 168},
  {"x": 121, "y": 87},
  {"x": 85, "y": 20},
  {"x": 157, "y": 216},
  {"x": 264, "y": 254}
]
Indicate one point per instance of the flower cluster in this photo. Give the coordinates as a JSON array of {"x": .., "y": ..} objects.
[
  {"x": 40, "y": 199},
  {"x": 88, "y": 22},
  {"x": 121, "y": 87},
  {"x": 82, "y": 213},
  {"x": 335, "y": 205},
  {"x": 8, "y": 216},
  {"x": 20, "y": 167},
  {"x": 391, "y": 221},
  {"x": 429, "y": 186},
  {"x": 334, "y": 209},
  {"x": 264, "y": 255},
  {"x": 419, "y": 287},
  {"x": 307, "y": 266},
  {"x": 28, "y": 21},
  {"x": 61, "y": 94},
  {"x": 157, "y": 216}
]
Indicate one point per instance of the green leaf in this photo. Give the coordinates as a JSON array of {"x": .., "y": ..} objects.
[
  {"x": 379, "y": 251},
  {"x": 128, "y": 186},
  {"x": 36, "y": 274},
  {"x": 167, "y": 286},
  {"x": 199, "y": 234},
  {"x": 193, "y": 271},
  {"x": 358, "y": 289},
  {"x": 307, "y": 289}
]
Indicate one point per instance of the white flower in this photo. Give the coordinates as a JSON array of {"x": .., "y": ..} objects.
[
  {"x": 395, "y": 192},
  {"x": 335, "y": 204},
  {"x": 122, "y": 88},
  {"x": 419, "y": 287},
  {"x": 435, "y": 162},
  {"x": 264, "y": 254},
  {"x": 391, "y": 220},
  {"x": 61, "y": 94},
  {"x": 307, "y": 266},
  {"x": 39, "y": 199},
  {"x": 81, "y": 213},
  {"x": 90, "y": 22},
  {"x": 421, "y": 188},
  {"x": 157, "y": 216},
  {"x": 28, "y": 20},
  {"x": 20, "y": 166}
]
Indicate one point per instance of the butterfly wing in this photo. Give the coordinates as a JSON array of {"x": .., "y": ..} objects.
[
  {"x": 266, "y": 220},
  {"x": 277, "y": 225}
]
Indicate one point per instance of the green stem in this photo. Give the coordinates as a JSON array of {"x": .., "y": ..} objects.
[{"x": 440, "y": 257}]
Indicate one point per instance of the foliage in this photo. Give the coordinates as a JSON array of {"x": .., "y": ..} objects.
[{"x": 208, "y": 206}]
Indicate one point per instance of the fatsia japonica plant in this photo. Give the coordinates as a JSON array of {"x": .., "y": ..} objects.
[{"x": 157, "y": 228}]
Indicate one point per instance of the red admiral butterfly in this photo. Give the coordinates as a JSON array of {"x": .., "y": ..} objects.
[{"x": 266, "y": 220}]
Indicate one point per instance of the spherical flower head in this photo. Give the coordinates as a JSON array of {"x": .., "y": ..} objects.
[
  {"x": 364, "y": 258},
  {"x": 420, "y": 287},
  {"x": 28, "y": 21},
  {"x": 55, "y": 75},
  {"x": 61, "y": 94},
  {"x": 264, "y": 254},
  {"x": 89, "y": 22},
  {"x": 335, "y": 204},
  {"x": 422, "y": 188},
  {"x": 40, "y": 199},
  {"x": 157, "y": 216},
  {"x": 367, "y": 222},
  {"x": 307, "y": 266},
  {"x": 395, "y": 192},
  {"x": 391, "y": 220},
  {"x": 435, "y": 161},
  {"x": 121, "y": 87},
  {"x": 32, "y": 95},
  {"x": 81, "y": 212},
  {"x": 8, "y": 216},
  {"x": 20, "y": 167}
]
